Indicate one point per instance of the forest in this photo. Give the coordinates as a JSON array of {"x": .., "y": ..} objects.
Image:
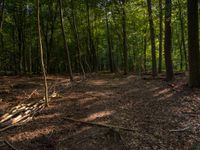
[{"x": 99, "y": 74}]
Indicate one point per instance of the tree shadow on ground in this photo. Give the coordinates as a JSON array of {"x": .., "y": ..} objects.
[{"x": 152, "y": 108}]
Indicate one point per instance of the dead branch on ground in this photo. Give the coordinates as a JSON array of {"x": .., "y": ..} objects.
[
  {"x": 10, "y": 145},
  {"x": 100, "y": 125}
]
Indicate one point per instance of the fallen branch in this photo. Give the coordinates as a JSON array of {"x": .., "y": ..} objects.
[
  {"x": 100, "y": 125},
  {"x": 10, "y": 145},
  {"x": 181, "y": 130},
  {"x": 10, "y": 126}
]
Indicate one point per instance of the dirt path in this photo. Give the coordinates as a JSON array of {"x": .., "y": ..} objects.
[{"x": 156, "y": 110}]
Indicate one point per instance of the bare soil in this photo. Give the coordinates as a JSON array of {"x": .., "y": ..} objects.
[{"x": 164, "y": 115}]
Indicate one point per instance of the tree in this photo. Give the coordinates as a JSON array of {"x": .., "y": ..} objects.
[
  {"x": 125, "y": 47},
  {"x": 49, "y": 16},
  {"x": 160, "y": 36},
  {"x": 168, "y": 41},
  {"x": 152, "y": 32},
  {"x": 41, "y": 52},
  {"x": 2, "y": 14},
  {"x": 110, "y": 55},
  {"x": 65, "y": 41},
  {"x": 76, "y": 35},
  {"x": 193, "y": 43},
  {"x": 182, "y": 34},
  {"x": 1, "y": 25},
  {"x": 91, "y": 45}
]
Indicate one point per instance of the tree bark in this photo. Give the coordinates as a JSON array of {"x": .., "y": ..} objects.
[
  {"x": 193, "y": 43},
  {"x": 152, "y": 31},
  {"x": 65, "y": 41},
  {"x": 41, "y": 53},
  {"x": 168, "y": 41}
]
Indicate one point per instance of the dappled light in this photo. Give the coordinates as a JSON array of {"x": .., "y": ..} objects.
[
  {"x": 97, "y": 115},
  {"x": 99, "y": 75},
  {"x": 29, "y": 135},
  {"x": 152, "y": 110}
]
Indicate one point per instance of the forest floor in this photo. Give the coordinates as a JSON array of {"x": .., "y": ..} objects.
[{"x": 162, "y": 115}]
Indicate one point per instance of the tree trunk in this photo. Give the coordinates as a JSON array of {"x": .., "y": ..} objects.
[
  {"x": 193, "y": 43},
  {"x": 91, "y": 42},
  {"x": 2, "y": 15},
  {"x": 153, "y": 47},
  {"x": 41, "y": 53},
  {"x": 168, "y": 41},
  {"x": 160, "y": 36},
  {"x": 30, "y": 59},
  {"x": 1, "y": 29},
  {"x": 109, "y": 45},
  {"x": 181, "y": 51},
  {"x": 183, "y": 35},
  {"x": 65, "y": 41},
  {"x": 145, "y": 52},
  {"x": 125, "y": 47},
  {"x": 76, "y": 35}
]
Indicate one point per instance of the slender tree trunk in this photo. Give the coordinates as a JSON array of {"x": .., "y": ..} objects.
[
  {"x": 153, "y": 47},
  {"x": 183, "y": 35},
  {"x": 125, "y": 47},
  {"x": 1, "y": 29},
  {"x": 76, "y": 34},
  {"x": 65, "y": 41},
  {"x": 145, "y": 53},
  {"x": 30, "y": 59},
  {"x": 41, "y": 53},
  {"x": 160, "y": 36},
  {"x": 168, "y": 41},
  {"x": 181, "y": 51},
  {"x": 178, "y": 37},
  {"x": 2, "y": 15},
  {"x": 193, "y": 43},
  {"x": 90, "y": 40},
  {"x": 109, "y": 45}
]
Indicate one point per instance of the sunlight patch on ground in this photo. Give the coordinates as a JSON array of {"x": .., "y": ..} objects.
[
  {"x": 99, "y": 94},
  {"x": 48, "y": 116},
  {"x": 86, "y": 100},
  {"x": 98, "y": 82},
  {"x": 97, "y": 115},
  {"x": 29, "y": 135},
  {"x": 154, "y": 89},
  {"x": 162, "y": 92},
  {"x": 131, "y": 77}
]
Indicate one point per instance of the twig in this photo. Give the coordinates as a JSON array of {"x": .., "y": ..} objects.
[
  {"x": 30, "y": 96},
  {"x": 10, "y": 145},
  {"x": 8, "y": 127},
  {"x": 181, "y": 130},
  {"x": 100, "y": 124}
]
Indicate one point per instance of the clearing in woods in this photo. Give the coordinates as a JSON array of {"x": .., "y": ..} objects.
[{"x": 162, "y": 115}]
